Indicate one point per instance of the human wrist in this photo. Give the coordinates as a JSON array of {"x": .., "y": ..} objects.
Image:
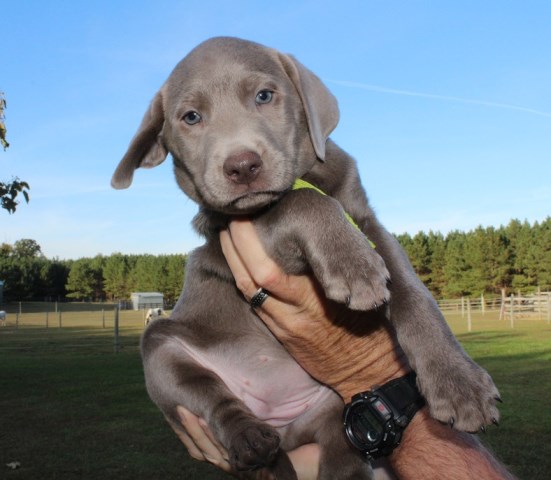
[
  {"x": 389, "y": 366},
  {"x": 412, "y": 446}
]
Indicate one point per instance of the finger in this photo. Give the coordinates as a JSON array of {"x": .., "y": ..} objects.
[
  {"x": 192, "y": 449},
  {"x": 261, "y": 268},
  {"x": 242, "y": 277},
  {"x": 305, "y": 460},
  {"x": 213, "y": 439},
  {"x": 254, "y": 268},
  {"x": 196, "y": 440},
  {"x": 239, "y": 271},
  {"x": 247, "y": 285}
]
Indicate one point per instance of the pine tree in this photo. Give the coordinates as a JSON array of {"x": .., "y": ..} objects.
[
  {"x": 81, "y": 283},
  {"x": 115, "y": 277},
  {"x": 457, "y": 269},
  {"x": 437, "y": 280}
]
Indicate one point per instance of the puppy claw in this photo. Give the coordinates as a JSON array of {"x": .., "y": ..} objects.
[
  {"x": 347, "y": 301},
  {"x": 497, "y": 398},
  {"x": 495, "y": 422},
  {"x": 483, "y": 429},
  {"x": 451, "y": 422}
]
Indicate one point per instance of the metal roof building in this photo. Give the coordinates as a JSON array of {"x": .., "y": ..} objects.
[{"x": 141, "y": 300}]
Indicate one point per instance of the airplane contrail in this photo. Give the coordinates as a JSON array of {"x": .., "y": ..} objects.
[{"x": 377, "y": 88}]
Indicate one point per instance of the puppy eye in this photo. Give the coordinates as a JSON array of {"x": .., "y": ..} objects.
[
  {"x": 191, "y": 118},
  {"x": 264, "y": 96}
]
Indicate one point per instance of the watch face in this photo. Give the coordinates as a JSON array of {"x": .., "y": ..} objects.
[
  {"x": 366, "y": 426},
  {"x": 374, "y": 420}
]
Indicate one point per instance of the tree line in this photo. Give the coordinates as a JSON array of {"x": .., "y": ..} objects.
[
  {"x": 29, "y": 275},
  {"x": 484, "y": 260}
]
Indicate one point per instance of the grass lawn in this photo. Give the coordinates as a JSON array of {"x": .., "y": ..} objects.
[{"x": 71, "y": 408}]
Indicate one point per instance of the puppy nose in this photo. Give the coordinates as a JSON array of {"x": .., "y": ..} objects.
[{"x": 243, "y": 168}]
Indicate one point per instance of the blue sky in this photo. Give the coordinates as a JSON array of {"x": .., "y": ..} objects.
[{"x": 446, "y": 106}]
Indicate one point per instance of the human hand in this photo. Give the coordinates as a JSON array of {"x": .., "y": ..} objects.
[
  {"x": 346, "y": 350},
  {"x": 202, "y": 445}
]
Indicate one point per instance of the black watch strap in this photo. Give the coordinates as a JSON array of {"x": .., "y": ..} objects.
[{"x": 404, "y": 396}]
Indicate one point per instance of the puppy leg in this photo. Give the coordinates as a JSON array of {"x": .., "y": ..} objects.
[
  {"x": 457, "y": 390},
  {"x": 314, "y": 234},
  {"x": 173, "y": 378}
]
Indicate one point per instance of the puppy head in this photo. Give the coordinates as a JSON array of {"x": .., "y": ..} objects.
[{"x": 241, "y": 121}]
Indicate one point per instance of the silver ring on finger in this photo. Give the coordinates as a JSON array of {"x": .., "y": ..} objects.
[{"x": 259, "y": 298}]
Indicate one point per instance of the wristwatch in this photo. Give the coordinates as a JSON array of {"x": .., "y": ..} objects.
[{"x": 375, "y": 420}]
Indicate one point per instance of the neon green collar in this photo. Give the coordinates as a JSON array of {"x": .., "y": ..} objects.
[{"x": 300, "y": 183}]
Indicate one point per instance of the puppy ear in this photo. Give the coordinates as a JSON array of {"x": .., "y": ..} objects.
[
  {"x": 146, "y": 149},
  {"x": 322, "y": 110}
]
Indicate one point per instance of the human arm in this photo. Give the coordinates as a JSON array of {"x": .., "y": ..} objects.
[{"x": 350, "y": 363}]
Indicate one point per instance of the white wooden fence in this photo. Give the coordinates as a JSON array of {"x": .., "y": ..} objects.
[{"x": 536, "y": 306}]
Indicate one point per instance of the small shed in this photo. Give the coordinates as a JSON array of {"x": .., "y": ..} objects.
[{"x": 142, "y": 300}]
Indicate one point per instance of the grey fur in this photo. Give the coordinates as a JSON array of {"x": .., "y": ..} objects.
[{"x": 242, "y": 158}]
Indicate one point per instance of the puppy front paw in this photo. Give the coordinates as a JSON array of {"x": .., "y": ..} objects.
[
  {"x": 253, "y": 448},
  {"x": 356, "y": 277},
  {"x": 464, "y": 397}
]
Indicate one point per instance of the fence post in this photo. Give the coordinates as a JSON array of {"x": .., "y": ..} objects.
[
  {"x": 502, "y": 309},
  {"x": 103, "y": 317},
  {"x": 17, "y": 320},
  {"x": 117, "y": 345},
  {"x": 549, "y": 308},
  {"x": 511, "y": 312},
  {"x": 469, "y": 319},
  {"x": 46, "y": 318},
  {"x": 539, "y": 301},
  {"x": 59, "y": 317},
  {"x": 462, "y": 307},
  {"x": 482, "y": 304}
]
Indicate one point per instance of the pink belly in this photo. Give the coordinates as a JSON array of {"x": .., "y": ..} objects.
[{"x": 272, "y": 385}]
